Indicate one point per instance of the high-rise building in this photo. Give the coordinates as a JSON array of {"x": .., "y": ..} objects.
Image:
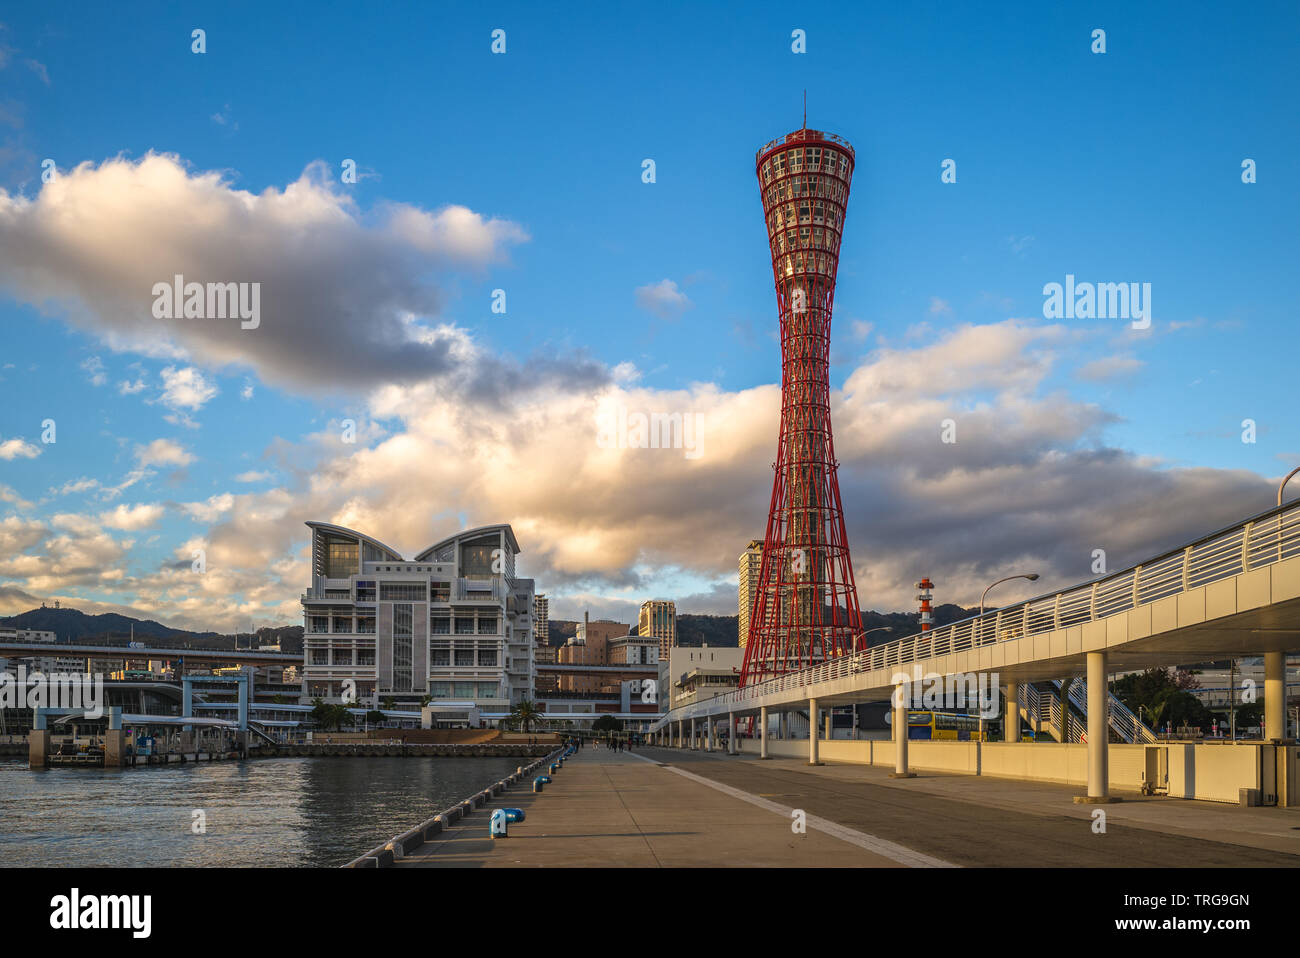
[
  {"x": 658, "y": 619},
  {"x": 454, "y": 623},
  {"x": 806, "y": 606},
  {"x": 751, "y": 562},
  {"x": 542, "y": 619},
  {"x": 589, "y": 647}
]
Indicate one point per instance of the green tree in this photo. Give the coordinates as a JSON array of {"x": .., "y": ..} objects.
[
  {"x": 375, "y": 717},
  {"x": 526, "y": 714},
  {"x": 329, "y": 717},
  {"x": 1162, "y": 696},
  {"x": 607, "y": 723}
]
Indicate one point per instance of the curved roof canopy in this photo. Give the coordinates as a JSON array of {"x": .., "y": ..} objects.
[
  {"x": 472, "y": 533},
  {"x": 392, "y": 555}
]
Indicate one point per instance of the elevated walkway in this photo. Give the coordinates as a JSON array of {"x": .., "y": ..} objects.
[{"x": 1233, "y": 593}]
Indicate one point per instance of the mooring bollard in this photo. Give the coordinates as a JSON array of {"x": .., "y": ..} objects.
[
  {"x": 538, "y": 782},
  {"x": 555, "y": 767},
  {"x": 497, "y": 826},
  {"x": 514, "y": 814}
]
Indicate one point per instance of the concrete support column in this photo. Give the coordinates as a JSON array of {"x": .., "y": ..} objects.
[
  {"x": 114, "y": 747},
  {"x": 1011, "y": 721},
  {"x": 1098, "y": 732},
  {"x": 731, "y": 734},
  {"x": 38, "y": 747},
  {"x": 708, "y": 734},
  {"x": 693, "y": 742},
  {"x": 812, "y": 733},
  {"x": 830, "y": 716},
  {"x": 762, "y": 732},
  {"x": 900, "y": 736},
  {"x": 1274, "y": 695}
]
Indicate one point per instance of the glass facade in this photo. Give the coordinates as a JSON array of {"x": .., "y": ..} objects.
[{"x": 342, "y": 558}]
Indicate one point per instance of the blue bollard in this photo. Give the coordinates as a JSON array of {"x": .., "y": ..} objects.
[
  {"x": 538, "y": 782},
  {"x": 514, "y": 814},
  {"x": 555, "y": 767},
  {"x": 497, "y": 826}
]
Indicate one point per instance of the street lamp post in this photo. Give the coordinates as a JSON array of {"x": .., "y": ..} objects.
[
  {"x": 1032, "y": 577},
  {"x": 1283, "y": 483},
  {"x": 853, "y": 731}
]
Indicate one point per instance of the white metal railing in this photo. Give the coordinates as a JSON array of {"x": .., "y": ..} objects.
[
  {"x": 1259, "y": 541},
  {"x": 1047, "y": 709}
]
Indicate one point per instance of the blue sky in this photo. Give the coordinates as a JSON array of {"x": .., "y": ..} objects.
[{"x": 1122, "y": 166}]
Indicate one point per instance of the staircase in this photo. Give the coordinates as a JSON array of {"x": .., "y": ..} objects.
[
  {"x": 1041, "y": 707},
  {"x": 1123, "y": 722}
]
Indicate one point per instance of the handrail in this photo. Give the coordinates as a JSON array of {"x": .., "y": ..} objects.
[
  {"x": 1232, "y": 550},
  {"x": 1130, "y": 728}
]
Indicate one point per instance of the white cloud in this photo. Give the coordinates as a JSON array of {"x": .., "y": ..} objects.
[
  {"x": 94, "y": 366},
  {"x": 12, "y": 449},
  {"x": 185, "y": 388},
  {"x": 212, "y": 509},
  {"x": 343, "y": 295},
  {"x": 253, "y": 476},
  {"x": 84, "y": 484},
  {"x": 132, "y": 518},
  {"x": 13, "y": 498},
  {"x": 162, "y": 452},
  {"x": 939, "y": 306},
  {"x": 128, "y": 388},
  {"x": 663, "y": 299}
]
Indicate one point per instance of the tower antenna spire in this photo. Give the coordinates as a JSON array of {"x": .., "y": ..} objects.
[{"x": 805, "y": 109}]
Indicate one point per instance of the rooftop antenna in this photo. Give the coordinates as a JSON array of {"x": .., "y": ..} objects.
[{"x": 805, "y": 109}]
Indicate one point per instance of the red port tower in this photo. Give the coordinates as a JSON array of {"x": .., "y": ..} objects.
[{"x": 806, "y": 603}]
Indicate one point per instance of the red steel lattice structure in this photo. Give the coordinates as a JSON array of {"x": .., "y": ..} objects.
[{"x": 806, "y": 605}]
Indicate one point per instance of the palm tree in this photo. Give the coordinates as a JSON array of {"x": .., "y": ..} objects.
[{"x": 526, "y": 713}]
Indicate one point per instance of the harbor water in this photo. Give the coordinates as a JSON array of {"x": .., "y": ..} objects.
[{"x": 284, "y": 812}]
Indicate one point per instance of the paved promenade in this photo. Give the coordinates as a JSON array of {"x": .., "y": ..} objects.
[
  {"x": 674, "y": 808},
  {"x": 974, "y": 821},
  {"x": 620, "y": 809}
]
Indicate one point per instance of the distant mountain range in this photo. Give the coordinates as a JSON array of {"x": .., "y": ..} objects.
[
  {"x": 71, "y": 626},
  {"x": 722, "y": 631},
  {"x": 74, "y": 627}
]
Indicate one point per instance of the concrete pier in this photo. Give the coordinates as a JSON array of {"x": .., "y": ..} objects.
[
  {"x": 669, "y": 808},
  {"x": 616, "y": 809}
]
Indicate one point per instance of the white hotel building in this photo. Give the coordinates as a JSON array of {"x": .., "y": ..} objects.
[{"x": 453, "y": 624}]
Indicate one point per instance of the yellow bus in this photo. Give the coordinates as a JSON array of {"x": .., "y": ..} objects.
[{"x": 943, "y": 726}]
